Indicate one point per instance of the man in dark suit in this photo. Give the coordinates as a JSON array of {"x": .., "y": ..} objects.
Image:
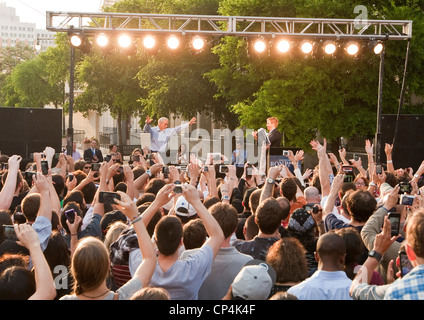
[
  {"x": 274, "y": 136},
  {"x": 93, "y": 154}
]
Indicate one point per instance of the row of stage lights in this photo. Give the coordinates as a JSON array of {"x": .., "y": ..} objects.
[
  {"x": 282, "y": 46},
  {"x": 150, "y": 43},
  {"x": 197, "y": 44}
]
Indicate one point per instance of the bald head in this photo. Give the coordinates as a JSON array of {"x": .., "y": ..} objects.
[
  {"x": 312, "y": 195},
  {"x": 331, "y": 251}
]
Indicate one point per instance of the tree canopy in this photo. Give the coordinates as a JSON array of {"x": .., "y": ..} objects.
[{"x": 226, "y": 82}]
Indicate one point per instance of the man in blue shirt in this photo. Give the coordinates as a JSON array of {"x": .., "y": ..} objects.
[
  {"x": 329, "y": 282},
  {"x": 160, "y": 135}
]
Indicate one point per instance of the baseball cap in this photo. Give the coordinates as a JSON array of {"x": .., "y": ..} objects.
[
  {"x": 301, "y": 221},
  {"x": 183, "y": 208},
  {"x": 254, "y": 281}
]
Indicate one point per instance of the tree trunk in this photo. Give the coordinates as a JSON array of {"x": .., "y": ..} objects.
[{"x": 119, "y": 122}]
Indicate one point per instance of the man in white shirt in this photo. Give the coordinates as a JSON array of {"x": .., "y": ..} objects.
[
  {"x": 160, "y": 135},
  {"x": 329, "y": 282}
]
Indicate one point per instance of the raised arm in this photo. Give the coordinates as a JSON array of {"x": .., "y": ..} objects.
[
  {"x": 295, "y": 158},
  {"x": 369, "y": 149},
  {"x": 8, "y": 190},
  {"x": 146, "y": 268},
  {"x": 44, "y": 283},
  {"x": 388, "y": 150},
  {"x": 331, "y": 200},
  {"x": 383, "y": 241},
  {"x": 324, "y": 166},
  {"x": 216, "y": 235}
]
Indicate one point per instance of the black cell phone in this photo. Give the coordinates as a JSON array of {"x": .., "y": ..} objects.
[
  {"x": 311, "y": 208},
  {"x": 95, "y": 166},
  {"x": 394, "y": 218},
  {"x": 205, "y": 169},
  {"x": 405, "y": 187},
  {"x": 45, "y": 167},
  {"x": 29, "y": 174},
  {"x": 355, "y": 157},
  {"x": 70, "y": 215},
  {"x": 378, "y": 169},
  {"x": 70, "y": 176},
  {"x": 223, "y": 168},
  {"x": 108, "y": 157},
  {"x": 404, "y": 263},
  {"x": 135, "y": 158},
  {"x": 348, "y": 175},
  {"x": 9, "y": 233},
  {"x": 107, "y": 197},
  {"x": 165, "y": 171},
  {"x": 178, "y": 188}
]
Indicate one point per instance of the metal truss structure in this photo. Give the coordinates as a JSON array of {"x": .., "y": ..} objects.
[{"x": 141, "y": 23}]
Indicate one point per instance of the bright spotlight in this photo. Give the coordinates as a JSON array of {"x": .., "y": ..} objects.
[
  {"x": 75, "y": 40},
  {"x": 124, "y": 41},
  {"x": 102, "y": 40},
  {"x": 259, "y": 46},
  {"x": 283, "y": 46},
  {"x": 198, "y": 43},
  {"x": 173, "y": 42},
  {"x": 378, "y": 48},
  {"x": 330, "y": 48},
  {"x": 306, "y": 47},
  {"x": 352, "y": 48},
  {"x": 149, "y": 42}
]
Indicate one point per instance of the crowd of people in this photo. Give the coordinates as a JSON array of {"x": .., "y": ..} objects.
[{"x": 100, "y": 228}]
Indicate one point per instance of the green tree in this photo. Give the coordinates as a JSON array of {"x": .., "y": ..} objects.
[
  {"x": 109, "y": 82},
  {"x": 176, "y": 84},
  {"x": 28, "y": 85},
  {"x": 333, "y": 97}
]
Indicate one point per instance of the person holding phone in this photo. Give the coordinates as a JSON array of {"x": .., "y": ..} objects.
[
  {"x": 90, "y": 266},
  {"x": 411, "y": 287},
  {"x": 17, "y": 283},
  {"x": 360, "y": 288}
]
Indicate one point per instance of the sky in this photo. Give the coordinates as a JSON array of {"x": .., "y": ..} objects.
[{"x": 34, "y": 11}]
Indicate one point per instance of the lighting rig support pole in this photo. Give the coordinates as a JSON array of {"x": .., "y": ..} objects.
[
  {"x": 70, "y": 133},
  {"x": 379, "y": 107}
]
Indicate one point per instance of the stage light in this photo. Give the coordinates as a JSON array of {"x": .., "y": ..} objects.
[
  {"x": 283, "y": 46},
  {"x": 173, "y": 42},
  {"x": 124, "y": 41},
  {"x": 75, "y": 40},
  {"x": 149, "y": 42},
  {"x": 329, "y": 48},
  {"x": 259, "y": 45},
  {"x": 81, "y": 42},
  {"x": 306, "y": 47},
  {"x": 198, "y": 43},
  {"x": 352, "y": 48},
  {"x": 378, "y": 48},
  {"x": 102, "y": 40}
]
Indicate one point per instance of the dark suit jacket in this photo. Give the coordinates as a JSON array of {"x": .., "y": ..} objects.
[
  {"x": 88, "y": 155},
  {"x": 275, "y": 138}
]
